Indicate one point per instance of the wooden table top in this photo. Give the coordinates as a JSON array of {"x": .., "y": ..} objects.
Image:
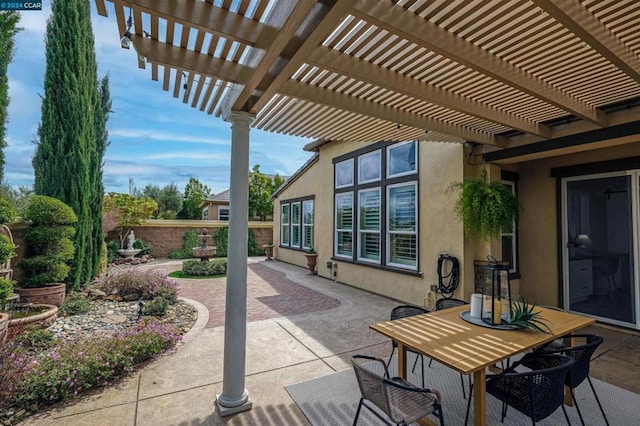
[{"x": 447, "y": 338}]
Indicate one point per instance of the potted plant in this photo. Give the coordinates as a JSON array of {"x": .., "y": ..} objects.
[
  {"x": 8, "y": 214},
  {"x": 268, "y": 250},
  {"x": 6, "y": 290},
  {"x": 312, "y": 260},
  {"x": 485, "y": 208},
  {"x": 523, "y": 316},
  {"x": 49, "y": 250}
]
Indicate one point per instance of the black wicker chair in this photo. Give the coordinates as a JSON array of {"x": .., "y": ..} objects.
[
  {"x": 446, "y": 303},
  {"x": 537, "y": 393},
  {"x": 401, "y": 401},
  {"x": 404, "y": 311},
  {"x": 581, "y": 351}
]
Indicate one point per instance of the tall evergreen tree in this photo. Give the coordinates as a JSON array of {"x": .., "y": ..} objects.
[
  {"x": 8, "y": 29},
  {"x": 68, "y": 135}
]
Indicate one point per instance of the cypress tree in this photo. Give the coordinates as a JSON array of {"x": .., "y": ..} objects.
[
  {"x": 8, "y": 29},
  {"x": 68, "y": 136}
]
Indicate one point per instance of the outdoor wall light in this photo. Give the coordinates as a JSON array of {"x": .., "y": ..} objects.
[
  {"x": 329, "y": 265},
  {"x": 125, "y": 41}
]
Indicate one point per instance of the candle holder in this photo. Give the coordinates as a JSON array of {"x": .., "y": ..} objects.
[{"x": 496, "y": 293}]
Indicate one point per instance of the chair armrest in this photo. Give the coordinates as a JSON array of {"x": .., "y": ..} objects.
[{"x": 400, "y": 383}]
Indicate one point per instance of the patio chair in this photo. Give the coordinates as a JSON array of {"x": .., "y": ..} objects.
[
  {"x": 536, "y": 393},
  {"x": 581, "y": 353},
  {"x": 404, "y": 311},
  {"x": 402, "y": 402},
  {"x": 446, "y": 303}
]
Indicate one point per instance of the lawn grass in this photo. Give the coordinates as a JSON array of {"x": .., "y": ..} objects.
[{"x": 180, "y": 274}]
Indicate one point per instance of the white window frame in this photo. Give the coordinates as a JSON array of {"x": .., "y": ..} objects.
[
  {"x": 297, "y": 225},
  {"x": 347, "y": 230},
  {"x": 344, "y": 164},
  {"x": 415, "y": 163},
  {"x": 369, "y": 231},
  {"x": 221, "y": 216},
  {"x": 205, "y": 213},
  {"x": 306, "y": 224},
  {"x": 513, "y": 234},
  {"x": 390, "y": 232},
  {"x": 364, "y": 160},
  {"x": 285, "y": 209}
]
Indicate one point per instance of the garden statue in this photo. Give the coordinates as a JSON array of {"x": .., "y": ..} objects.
[{"x": 131, "y": 238}]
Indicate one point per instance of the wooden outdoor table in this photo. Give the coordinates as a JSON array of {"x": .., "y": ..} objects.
[{"x": 467, "y": 348}]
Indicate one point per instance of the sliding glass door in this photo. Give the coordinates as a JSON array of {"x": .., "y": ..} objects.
[{"x": 600, "y": 229}]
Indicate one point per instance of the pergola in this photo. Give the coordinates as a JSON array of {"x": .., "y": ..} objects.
[{"x": 520, "y": 79}]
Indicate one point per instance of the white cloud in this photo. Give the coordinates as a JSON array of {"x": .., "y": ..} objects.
[{"x": 164, "y": 136}]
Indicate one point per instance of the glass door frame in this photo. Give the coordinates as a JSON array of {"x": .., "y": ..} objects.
[{"x": 635, "y": 224}]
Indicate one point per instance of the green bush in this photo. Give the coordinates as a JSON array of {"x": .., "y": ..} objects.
[
  {"x": 34, "y": 337},
  {"x": 42, "y": 270},
  {"x": 190, "y": 239},
  {"x": 198, "y": 268},
  {"x": 251, "y": 245},
  {"x": 45, "y": 236},
  {"x": 73, "y": 366},
  {"x": 75, "y": 304},
  {"x": 157, "y": 307},
  {"x": 43, "y": 210},
  {"x": 7, "y": 249},
  {"x": 145, "y": 248},
  {"x": 168, "y": 294},
  {"x": 8, "y": 212},
  {"x": 112, "y": 251},
  {"x": 222, "y": 241},
  {"x": 6, "y": 289}
]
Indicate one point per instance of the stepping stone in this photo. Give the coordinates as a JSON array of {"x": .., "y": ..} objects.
[{"x": 113, "y": 318}]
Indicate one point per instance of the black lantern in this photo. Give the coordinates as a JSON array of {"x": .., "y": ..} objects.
[{"x": 496, "y": 293}]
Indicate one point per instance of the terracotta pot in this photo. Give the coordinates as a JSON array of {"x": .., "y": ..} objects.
[
  {"x": 4, "y": 325},
  {"x": 268, "y": 251},
  {"x": 52, "y": 294},
  {"x": 312, "y": 260},
  {"x": 41, "y": 320}
]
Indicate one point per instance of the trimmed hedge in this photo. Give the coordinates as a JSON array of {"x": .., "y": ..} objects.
[
  {"x": 198, "y": 268},
  {"x": 8, "y": 212}
]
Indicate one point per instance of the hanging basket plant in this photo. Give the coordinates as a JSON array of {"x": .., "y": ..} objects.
[{"x": 486, "y": 209}]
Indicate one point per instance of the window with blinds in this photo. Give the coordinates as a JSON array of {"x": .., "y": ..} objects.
[
  {"x": 284, "y": 224},
  {"x": 295, "y": 225},
  {"x": 369, "y": 225},
  {"x": 379, "y": 195},
  {"x": 344, "y": 224},
  {"x": 307, "y": 224}
]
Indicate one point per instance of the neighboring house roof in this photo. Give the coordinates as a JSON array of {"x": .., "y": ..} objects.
[
  {"x": 295, "y": 176},
  {"x": 223, "y": 196}
]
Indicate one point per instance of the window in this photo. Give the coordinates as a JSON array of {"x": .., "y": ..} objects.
[
  {"x": 284, "y": 224},
  {"x": 344, "y": 225},
  {"x": 510, "y": 239},
  {"x": 369, "y": 225},
  {"x": 402, "y": 235},
  {"x": 223, "y": 213},
  {"x": 296, "y": 223},
  {"x": 383, "y": 199},
  {"x": 205, "y": 213},
  {"x": 307, "y": 224}
]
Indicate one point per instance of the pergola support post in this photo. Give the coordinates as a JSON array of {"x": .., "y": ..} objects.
[{"x": 234, "y": 397}]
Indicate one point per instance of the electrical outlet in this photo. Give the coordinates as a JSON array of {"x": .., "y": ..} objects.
[{"x": 434, "y": 287}]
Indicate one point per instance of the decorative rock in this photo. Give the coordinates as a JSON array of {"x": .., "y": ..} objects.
[
  {"x": 114, "y": 319},
  {"x": 33, "y": 408},
  {"x": 114, "y": 297},
  {"x": 96, "y": 294},
  {"x": 130, "y": 297}
]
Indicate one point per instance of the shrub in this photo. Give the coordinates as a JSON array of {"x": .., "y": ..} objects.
[
  {"x": 73, "y": 366},
  {"x": 6, "y": 289},
  {"x": 104, "y": 258},
  {"x": 145, "y": 284},
  {"x": 8, "y": 212},
  {"x": 252, "y": 249},
  {"x": 198, "y": 268},
  {"x": 157, "y": 307},
  {"x": 112, "y": 251},
  {"x": 168, "y": 294},
  {"x": 36, "y": 338},
  {"x": 75, "y": 304},
  {"x": 7, "y": 249},
  {"x": 145, "y": 249},
  {"x": 190, "y": 241},
  {"x": 43, "y": 210},
  {"x": 222, "y": 241},
  {"x": 43, "y": 270}
]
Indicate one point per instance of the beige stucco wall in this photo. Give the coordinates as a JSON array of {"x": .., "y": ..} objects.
[
  {"x": 440, "y": 164},
  {"x": 538, "y": 222}
]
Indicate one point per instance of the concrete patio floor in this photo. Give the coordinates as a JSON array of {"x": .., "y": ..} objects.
[{"x": 300, "y": 327}]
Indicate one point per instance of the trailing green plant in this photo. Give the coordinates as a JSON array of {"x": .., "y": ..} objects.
[
  {"x": 190, "y": 239},
  {"x": 76, "y": 303},
  {"x": 485, "y": 208},
  {"x": 145, "y": 248},
  {"x": 197, "y": 268},
  {"x": 8, "y": 212},
  {"x": 7, "y": 249},
  {"x": 523, "y": 316},
  {"x": 145, "y": 284},
  {"x": 71, "y": 367},
  {"x": 6, "y": 289},
  {"x": 112, "y": 251},
  {"x": 157, "y": 307},
  {"x": 49, "y": 245}
]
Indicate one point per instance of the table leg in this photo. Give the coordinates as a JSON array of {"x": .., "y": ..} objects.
[
  {"x": 479, "y": 398},
  {"x": 402, "y": 361}
]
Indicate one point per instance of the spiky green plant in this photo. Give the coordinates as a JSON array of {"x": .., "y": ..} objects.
[{"x": 523, "y": 316}]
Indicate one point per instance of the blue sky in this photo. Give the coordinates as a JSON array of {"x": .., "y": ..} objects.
[{"x": 155, "y": 138}]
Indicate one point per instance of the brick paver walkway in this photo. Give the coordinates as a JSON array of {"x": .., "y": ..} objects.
[{"x": 269, "y": 295}]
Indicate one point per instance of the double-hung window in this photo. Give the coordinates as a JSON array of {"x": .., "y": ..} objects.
[
  {"x": 296, "y": 223},
  {"x": 223, "y": 213},
  {"x": 376, "y": 205}
]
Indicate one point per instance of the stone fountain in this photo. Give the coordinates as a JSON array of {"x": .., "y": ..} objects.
[
  {"x": 129, "y": 252},
  {"x": 204, "y": 252}
]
